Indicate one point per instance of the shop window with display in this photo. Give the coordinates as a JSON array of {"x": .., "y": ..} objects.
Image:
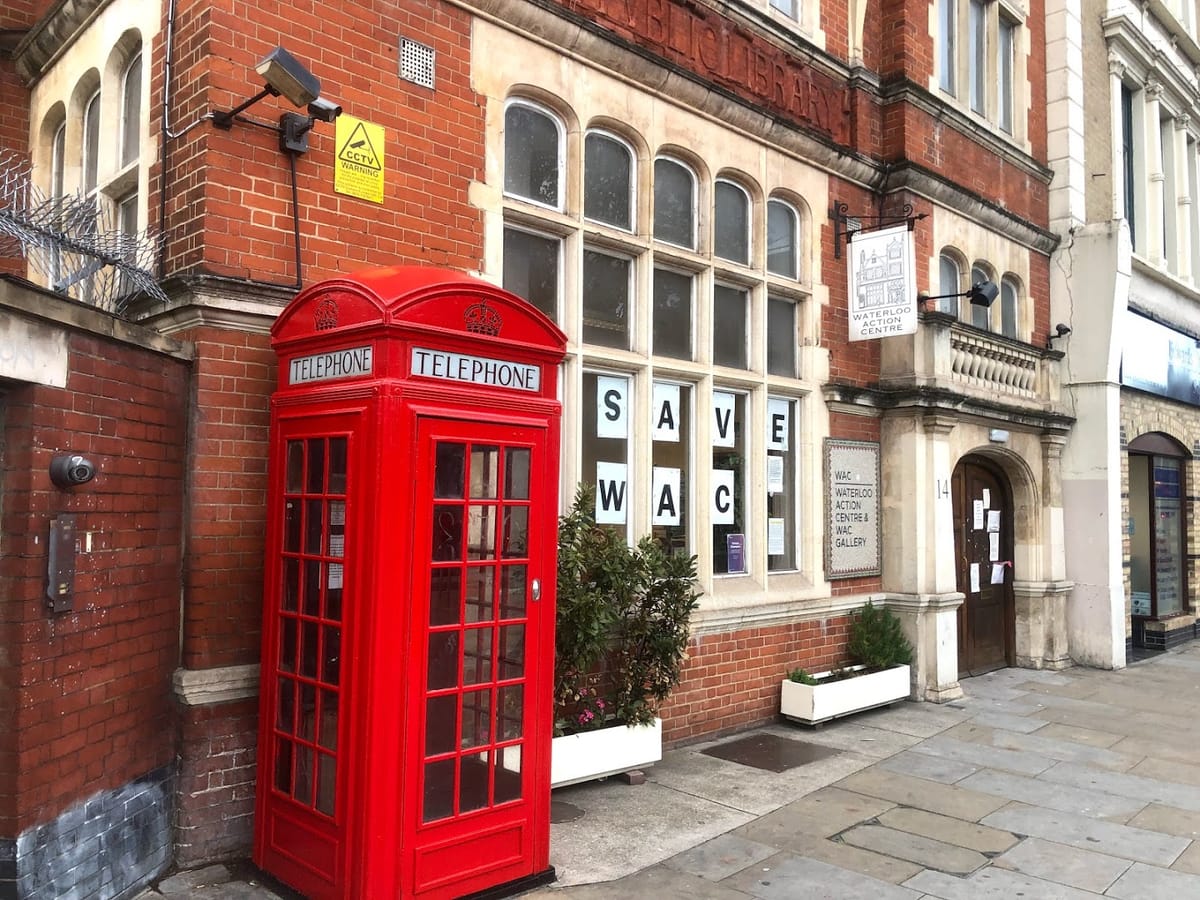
[{"x": 1157, "y": 528}]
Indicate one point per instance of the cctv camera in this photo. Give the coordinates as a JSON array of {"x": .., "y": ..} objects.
[
  {"x": 325, "y": 110},
  {"x": 71, "y": 469}
]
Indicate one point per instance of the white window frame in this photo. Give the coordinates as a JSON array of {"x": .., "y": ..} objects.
[
  {"x": 727, "y": 183},
  {"x": 89, "y": 153},
  {"x": 643, "y": 366},
  {"x": 795, "y": 239},
  {"x": 694, "y": 246},
  {"x": 560, "y": 153},
  {"x": 967, "y": 66},
  {"x": 633, "y": 179},
  {"x": 130, "y": 123}
]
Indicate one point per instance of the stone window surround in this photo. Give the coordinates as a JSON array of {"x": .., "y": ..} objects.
[
  {"x": 569, "y": 227},
  {"x": 961, "y": 307},
  {"x": 959, "y": 96}
]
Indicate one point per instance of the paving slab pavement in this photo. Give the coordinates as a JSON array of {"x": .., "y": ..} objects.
[{"x": 1075, "y": 784}]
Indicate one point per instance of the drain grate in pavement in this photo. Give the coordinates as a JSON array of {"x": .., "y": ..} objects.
[
  {"x": 562, "y": 811},
  {"x": 770, "y": 752}
]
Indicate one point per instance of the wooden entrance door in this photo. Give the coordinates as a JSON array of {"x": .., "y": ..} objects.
[{"x": 983, "y": 539}]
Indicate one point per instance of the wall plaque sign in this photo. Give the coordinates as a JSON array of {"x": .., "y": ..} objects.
[{"x": 852, "y": 505}]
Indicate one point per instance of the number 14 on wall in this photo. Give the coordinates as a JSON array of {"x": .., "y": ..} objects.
[{"x": 943, "y": 488}]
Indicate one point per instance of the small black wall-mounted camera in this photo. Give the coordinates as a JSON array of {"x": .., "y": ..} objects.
[{"x": 71, "y": 469}]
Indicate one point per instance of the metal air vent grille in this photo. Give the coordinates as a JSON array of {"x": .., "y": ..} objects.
[{"x": 417, "y": 62}]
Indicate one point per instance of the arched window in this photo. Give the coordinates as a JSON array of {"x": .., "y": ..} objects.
[
  {"x": 980, "y": 315},
  {"x": 1008, "y": 307},
  {"x": 533, "y": 155},
  {"x": 731, "y": 222},
  {"x": 58, "y": 162},
  {"x": 782, "y": 239},
  {"x": 674, "y": 203},
  {"x": 89, "y": 163},
  {"x": 608, "y": 181},
  {"x": 131, "y": 111},
  {"x": 949, "y": 282}
]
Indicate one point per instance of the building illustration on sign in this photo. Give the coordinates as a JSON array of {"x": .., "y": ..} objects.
[{"x": 880, "y": 276}]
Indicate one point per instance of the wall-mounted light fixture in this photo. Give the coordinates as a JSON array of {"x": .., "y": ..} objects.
[
  {"x": 285, "y": 77},
  {"x": 980, "y": 294}
]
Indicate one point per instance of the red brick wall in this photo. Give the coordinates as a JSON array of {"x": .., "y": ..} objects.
[
  {"x": 87, "y": 692},
  {"x": 226, "y": 516},
  {"x": 14, "y": 106},
  {"x": 229, "y": 206},
  {"x": 731, "y": 681},
  {"x": 215, "y": 809}
]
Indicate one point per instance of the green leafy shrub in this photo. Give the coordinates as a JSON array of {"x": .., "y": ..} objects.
[
  {"x": 876, "y": 639},
  {"x": 622, "y": 623},
  {"x": 801, "y": 676}
]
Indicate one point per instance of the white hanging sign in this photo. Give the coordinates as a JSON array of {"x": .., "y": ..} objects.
[
  {"x": 723, "y": 482},
  {"x": 778, "y": 426},
  {"x": 666, "y": 499},
  {"x": 612, "y": 407},
  {"x": 666, "y": 413},
  {"x": 723, "y": 407},
  {"x": 883, "y": 284},
  {"x": 612, "y": 493}
]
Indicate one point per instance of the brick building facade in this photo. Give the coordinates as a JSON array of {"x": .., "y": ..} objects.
[{"x": 745, "y": 140}]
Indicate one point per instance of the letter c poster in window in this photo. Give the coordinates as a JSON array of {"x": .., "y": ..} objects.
[{"x": 723, "y": 481}]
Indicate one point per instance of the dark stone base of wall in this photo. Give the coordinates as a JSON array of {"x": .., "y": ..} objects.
[
  {"x": 1147, "y": 637},
  {"x": 108, "y": 847}
]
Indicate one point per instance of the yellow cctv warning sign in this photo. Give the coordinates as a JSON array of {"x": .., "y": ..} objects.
[{"x": 359, "y": 165}]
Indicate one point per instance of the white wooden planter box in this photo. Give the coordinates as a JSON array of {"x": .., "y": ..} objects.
[
  {"x": 606, "y": 751},
  {"x": 814, "y": 703}
]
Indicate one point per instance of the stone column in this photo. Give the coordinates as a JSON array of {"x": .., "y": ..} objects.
[
  {"x": 1116, "y": 75},
  {"x": 1182, "y": 202},
  {"x": 1152, "y": 247},
  {"x": 919, "y": 573}
]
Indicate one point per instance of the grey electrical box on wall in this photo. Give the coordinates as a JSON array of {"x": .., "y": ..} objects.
[{"x": 60, "y": 585}]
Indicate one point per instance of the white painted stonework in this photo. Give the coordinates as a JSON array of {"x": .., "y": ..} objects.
[
  {"x": 813, "y": 703},
  {"x": 32, "y": 352},
  {"x": 607, "y": 751}
]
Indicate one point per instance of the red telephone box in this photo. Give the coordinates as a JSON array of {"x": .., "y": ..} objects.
[{"x": 408, "y": 634}]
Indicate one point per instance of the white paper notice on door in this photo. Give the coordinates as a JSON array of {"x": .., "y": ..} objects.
[
  {"x": 974, "y": 578},
  {"x": 993, "y": 520},
  {"x": 997, "y": 573},
  {"x": 993, "y": 546},
  {"x": 987, "y": 499},
  {"x": 775, "y": 537},
  {"x": 977, "y": 518}
]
